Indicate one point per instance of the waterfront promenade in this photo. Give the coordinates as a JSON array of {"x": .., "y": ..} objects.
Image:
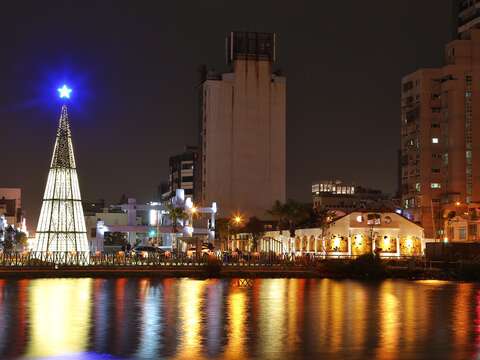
[{"x": 30, "y": 264}]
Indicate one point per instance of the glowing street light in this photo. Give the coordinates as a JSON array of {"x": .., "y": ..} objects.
[
  {"x": 237, "y": 220},
  {"x": 64, "y": 92}
]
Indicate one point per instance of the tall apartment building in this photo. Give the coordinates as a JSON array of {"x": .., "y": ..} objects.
[
  {"x": 243, "y": 114},
  {"x": 11, "y": 206},
  {"x": 182, "y": 171},
  {"x": 440, "y": 132},
  {"x": 466, "y": 17}
]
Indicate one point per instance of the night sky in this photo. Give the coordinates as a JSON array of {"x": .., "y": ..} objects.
[{"x": 133, "y": 66}]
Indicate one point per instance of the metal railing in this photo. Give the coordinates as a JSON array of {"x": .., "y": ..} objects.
[{"x": 55, "y": 260}]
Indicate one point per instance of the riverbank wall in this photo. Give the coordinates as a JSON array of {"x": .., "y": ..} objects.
[{"x": 202, "y": 272}]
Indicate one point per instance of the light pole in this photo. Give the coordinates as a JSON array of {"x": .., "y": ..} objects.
[{"x": 236, "y": 221}]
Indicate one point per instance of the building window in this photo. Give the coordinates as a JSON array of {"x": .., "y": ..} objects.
[
  {"x": 417, "y": 187},
  {"x": 434, "y": 140},
  {"x": 435, "y": 171},
  {"x": 436, "y": 185},
  {"x": 462, "y": 233}
]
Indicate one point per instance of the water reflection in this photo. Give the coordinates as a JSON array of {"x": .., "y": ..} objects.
[
  {"x": 216, "y": 319},
  {"x": 59, "y": 314},
  {"x": 191, "y": 315}
]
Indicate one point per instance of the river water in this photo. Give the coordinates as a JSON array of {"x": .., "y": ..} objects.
[{"x": 142, "y": 318}]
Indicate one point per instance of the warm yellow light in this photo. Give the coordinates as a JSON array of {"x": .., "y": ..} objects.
[
  {"x": 237, "y": 219},
  {"x": 193, "y": 210},
  {"x": 336, "y": 242},
  {"x": 457, "y": 203},
  {"x": 358, "y": 239},
  {"x": 409, "y": 242},
  {"x": 55, "y": 329},
  {"x": 386, "y": 241}
]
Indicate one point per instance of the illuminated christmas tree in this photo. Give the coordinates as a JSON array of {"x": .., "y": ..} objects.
[{"x": 61, "y": 226}]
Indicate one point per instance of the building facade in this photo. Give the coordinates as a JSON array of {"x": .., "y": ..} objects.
[
  {"x": 182, "y": 172},
  {"x": 344, "y": 197},
  {"x": 440, "y": 132},
  {"x": 360, "y": 232},
  {"x": 466, "y": 17},
  {"x": 242, "y": 137},
  {"x": 11, "y": 207},
  {"x": 150, "y": 224}
]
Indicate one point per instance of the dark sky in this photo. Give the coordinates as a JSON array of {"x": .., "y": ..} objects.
[{"x": 133, "y": 66}]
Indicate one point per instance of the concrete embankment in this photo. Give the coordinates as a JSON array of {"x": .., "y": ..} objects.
[{"x": 222, "y": 272}]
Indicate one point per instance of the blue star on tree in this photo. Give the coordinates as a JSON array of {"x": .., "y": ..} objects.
[{"x": 64, "y": 92}]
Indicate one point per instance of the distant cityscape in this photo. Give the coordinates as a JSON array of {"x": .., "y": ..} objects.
[{"x": 236, "y": 174}]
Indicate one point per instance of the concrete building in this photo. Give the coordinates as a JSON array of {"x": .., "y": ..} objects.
[
  {"x": 440, "y": 132},
  {"x": 150, "y": 224},
  {"x": 182, "y": 172},
  {"x": 466, "y": 17},
  {"x": 360, "y": 232},
  {"x": 11, "y": 207},
  {"x": 243, "y": 114},
  {"x": 344, "y": 197}
]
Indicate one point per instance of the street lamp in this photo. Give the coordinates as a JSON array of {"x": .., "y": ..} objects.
[{"x": 236, "y": 220}]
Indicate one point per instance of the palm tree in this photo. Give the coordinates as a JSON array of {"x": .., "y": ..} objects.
[
  {"x": 289, "y": 215},
  {"x": 176, "y": 214},
  {"x": 322, "y": 218},
  {"x": 256, "y": 228}
]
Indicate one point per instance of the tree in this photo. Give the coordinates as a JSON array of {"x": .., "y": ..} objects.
[
  {"x": 21, "y": 239},
  {"x": 176, "y": 214},
  {"x": 289, "y": 215},
  {"x": 222, "y": 228},
  {"x": 256, "y": 228},
  {"x": 322, "y": 218},
  {"x": 9, "y": 241}
]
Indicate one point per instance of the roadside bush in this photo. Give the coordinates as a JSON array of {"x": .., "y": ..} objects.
[
  {"x": 368, "y": 265},
  {"x": 213, "y": 267},
  {"x": 336, "y": 267},
  {"x": 468, "y": 271}
]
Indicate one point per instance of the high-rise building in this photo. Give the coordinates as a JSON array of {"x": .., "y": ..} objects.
[
  {"x": 182, "y": 172},
  {"x": 466, "y": 17},
  {"x": 61, "y": 225},
  {"x": 243, "y": 114},
  {"x": 440, "y": 134},
  {"x": 11, "y": 206}
]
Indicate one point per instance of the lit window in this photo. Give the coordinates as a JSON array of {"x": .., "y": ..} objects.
[
  {"x": 436, "y": 185},
  {"x": 435, "y": 140},
  {"x": 359, "y": 218}
]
